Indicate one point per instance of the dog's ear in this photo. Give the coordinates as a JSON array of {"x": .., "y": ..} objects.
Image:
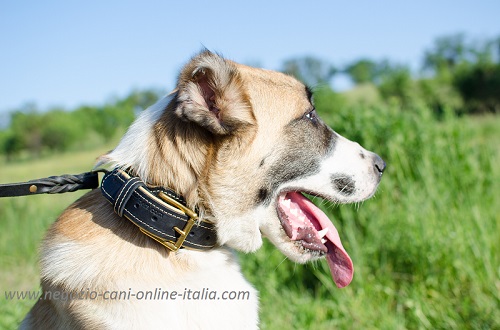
[{"x": 211, "y": 93}]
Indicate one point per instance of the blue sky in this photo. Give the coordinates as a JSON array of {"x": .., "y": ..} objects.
[{"x": 68, "y": 53}]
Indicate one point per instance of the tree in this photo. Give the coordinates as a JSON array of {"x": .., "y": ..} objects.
[
  {"x": 10, "y": 144},
  {"x": 60, "y": 131},
  {"x": 26, "y": 128},
  {"x": 479, "y": 86},
  {"x": 363, "y": 71},
  {"x": 467, "y": 68},
  {"x": 310, "y": 70},
  {"x": 446, "y": 54},
  {"x": 397, "y": 83}
]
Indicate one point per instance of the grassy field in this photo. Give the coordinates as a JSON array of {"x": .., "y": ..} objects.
[
  {"x": 425, "y": 248},
  {"x": 23, "y": 222}
]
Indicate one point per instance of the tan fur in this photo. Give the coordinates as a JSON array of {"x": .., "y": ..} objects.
[{"x": 213, "y": 140}]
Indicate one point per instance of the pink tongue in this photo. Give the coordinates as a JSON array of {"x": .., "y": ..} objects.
[{"x": 339, "y": 261}]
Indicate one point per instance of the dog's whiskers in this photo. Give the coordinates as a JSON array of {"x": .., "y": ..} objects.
[{"x": 282, "y": 261}]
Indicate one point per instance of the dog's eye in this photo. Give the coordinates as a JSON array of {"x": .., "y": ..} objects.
[{"x": 312, "y": 116}]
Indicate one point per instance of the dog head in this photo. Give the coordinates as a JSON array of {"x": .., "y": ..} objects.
[{"x": 243, "y": 145}]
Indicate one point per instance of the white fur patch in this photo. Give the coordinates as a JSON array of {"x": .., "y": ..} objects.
[
  {"x": 216, "y": 271},
  {"x": 136, "y": 139}
]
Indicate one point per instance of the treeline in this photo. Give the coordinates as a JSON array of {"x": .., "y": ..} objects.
[
  {"x": 457, "y": 75},
  {"x": 33, "y": 132}
]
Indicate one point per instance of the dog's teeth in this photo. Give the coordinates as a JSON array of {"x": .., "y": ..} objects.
[
  {"x": 286, "y": 202},
  {"x": 323, "y": 240},
  {"x": 323, "y": 232}
]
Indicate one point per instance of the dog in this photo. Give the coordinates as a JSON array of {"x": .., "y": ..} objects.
[{"x": 242, "y": 146}]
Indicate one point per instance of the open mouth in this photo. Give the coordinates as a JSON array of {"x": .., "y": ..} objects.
[{"x": 307, "y": 225}]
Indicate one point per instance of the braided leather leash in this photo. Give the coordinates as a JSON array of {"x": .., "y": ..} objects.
[{"x": 52, "y": 185}]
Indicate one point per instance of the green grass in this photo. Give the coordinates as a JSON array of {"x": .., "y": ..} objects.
[
  {"x": 23, "y": 222},
  {"x": 425, "y": 248}
]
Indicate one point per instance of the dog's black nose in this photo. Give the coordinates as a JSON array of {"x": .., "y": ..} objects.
[{"x": 379, "y": 164}]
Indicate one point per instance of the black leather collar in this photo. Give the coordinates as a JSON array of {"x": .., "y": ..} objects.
[{"x": 158, "y": 212}]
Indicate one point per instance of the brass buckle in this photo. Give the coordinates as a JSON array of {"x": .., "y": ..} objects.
[{"x": 184, "y": 232}]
